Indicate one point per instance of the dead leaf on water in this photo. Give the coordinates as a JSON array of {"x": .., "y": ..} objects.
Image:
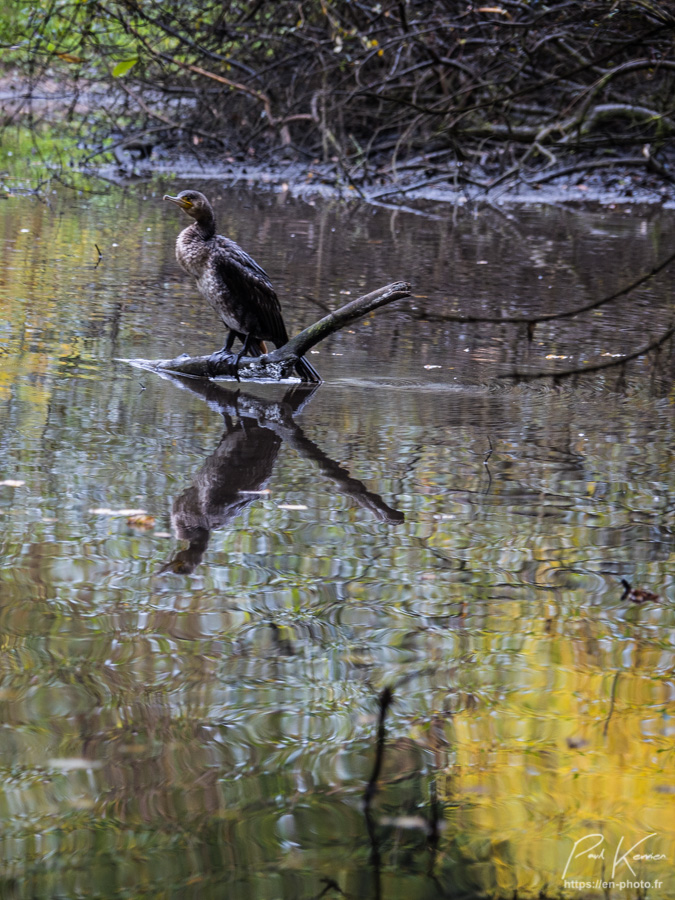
[{"x": 143, "y": 522}]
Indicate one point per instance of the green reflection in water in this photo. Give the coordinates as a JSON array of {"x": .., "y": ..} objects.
[{"x": 207, "y": 727}]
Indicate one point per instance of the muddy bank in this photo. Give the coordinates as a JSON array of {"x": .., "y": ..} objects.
[{"x": 413, "y": 184}]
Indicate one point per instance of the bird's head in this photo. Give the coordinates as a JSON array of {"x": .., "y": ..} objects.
[{"x": 194, "y": 204}]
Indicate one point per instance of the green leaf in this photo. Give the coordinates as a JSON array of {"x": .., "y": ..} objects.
[{"x": 123, "y": 67}]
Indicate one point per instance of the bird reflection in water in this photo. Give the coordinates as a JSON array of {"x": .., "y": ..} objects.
[{"x": 235, "y": 474}]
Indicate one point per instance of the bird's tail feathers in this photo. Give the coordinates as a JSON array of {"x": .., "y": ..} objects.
[{"x": 306, "y": 371}]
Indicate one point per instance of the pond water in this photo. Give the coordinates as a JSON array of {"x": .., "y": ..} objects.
[{"x": 204, "y": 591}]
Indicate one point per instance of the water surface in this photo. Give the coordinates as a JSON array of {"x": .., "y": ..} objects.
[{"x": 204, "y": 590}]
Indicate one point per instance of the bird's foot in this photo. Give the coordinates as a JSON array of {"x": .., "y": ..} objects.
[
  {"x": 224, "y": 354},
  {"x": 220, "y": 359}
]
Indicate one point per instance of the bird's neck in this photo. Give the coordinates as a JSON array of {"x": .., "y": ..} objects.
[{"x": 205, "y": 226}]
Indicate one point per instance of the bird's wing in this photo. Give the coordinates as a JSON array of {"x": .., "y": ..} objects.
[{"x": 251, "y": 286}]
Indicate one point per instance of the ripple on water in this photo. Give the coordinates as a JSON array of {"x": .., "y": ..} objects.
[{"x": 216, "y": 729}]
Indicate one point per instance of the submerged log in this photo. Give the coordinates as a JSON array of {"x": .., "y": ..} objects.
[{"x": 278, "y": 364}]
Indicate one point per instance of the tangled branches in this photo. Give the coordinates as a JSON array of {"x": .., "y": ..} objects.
[{"x": 435, "y": 86}]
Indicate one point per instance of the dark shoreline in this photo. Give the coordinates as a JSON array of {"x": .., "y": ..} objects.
[
  {"x": 624, "y": 186},
  {"x": 419, "y": 182}
]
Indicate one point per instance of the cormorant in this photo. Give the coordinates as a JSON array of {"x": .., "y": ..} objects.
[{"x": 237, "y": 288}]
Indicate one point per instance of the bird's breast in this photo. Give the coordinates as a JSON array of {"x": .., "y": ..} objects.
[{"x": 192, "y": 252}]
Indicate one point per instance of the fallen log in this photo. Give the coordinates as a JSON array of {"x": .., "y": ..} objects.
[{"x": 278, "y": 364}]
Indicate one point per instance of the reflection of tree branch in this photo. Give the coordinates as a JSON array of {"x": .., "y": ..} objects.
[
  {"x": 384, "y": 702},
  {"x": 548, "y": 317},
  {"x": 597, "y": 367},
  {"x": 487, "y": 467},
  {"x": 274, "y": 417},
  {"x": 226, "y": 401},
  {"x": 438, "y": 744},
  {"x": 349, "y": 486},
  {"x": 330, "y": 885},
  {"x": 232, "y": 476},
  {"x": 375, "y": 855},
  {"x": 611, "y": 705}
]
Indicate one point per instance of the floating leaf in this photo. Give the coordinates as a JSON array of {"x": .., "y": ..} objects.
[{"x": 142, "y": 521}]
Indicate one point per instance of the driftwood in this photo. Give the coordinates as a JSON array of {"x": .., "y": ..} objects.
[{"x": 278, "y": 364}]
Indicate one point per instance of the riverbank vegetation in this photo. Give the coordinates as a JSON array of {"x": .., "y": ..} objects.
[{"x": 427, "y": 90}]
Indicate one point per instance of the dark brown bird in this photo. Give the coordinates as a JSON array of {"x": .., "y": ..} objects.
[
  {"x": 637, "y": 595},
  {"x": 234, "y": 285}
]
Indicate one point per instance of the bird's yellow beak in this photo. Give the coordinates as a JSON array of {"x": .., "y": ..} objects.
[{"x": 179, "y": 201}]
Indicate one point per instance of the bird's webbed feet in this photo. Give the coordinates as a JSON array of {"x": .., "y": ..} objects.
[
  {"x": 242, "y": 352},
  {"x": 219, "y": 360},
  {"x": 225, "y": 356}
]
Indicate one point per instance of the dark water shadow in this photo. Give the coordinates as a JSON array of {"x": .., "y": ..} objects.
[{"x": 235, "y": 474}]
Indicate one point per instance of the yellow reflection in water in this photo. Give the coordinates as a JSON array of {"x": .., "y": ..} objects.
[{"x": 538, "y": 777}]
